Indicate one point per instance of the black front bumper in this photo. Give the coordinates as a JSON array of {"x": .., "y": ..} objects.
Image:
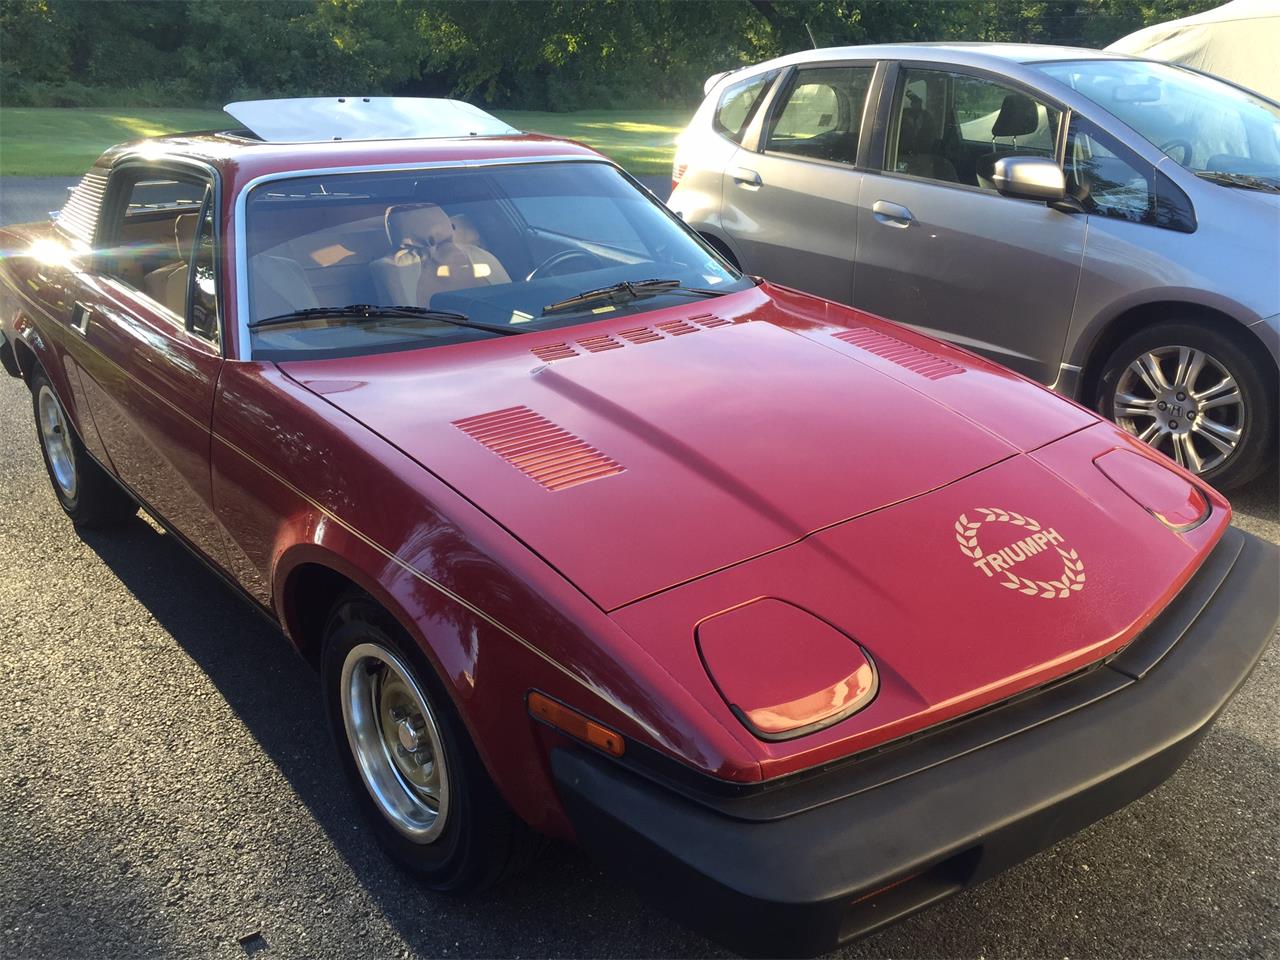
[{"x": 804, "y": 864}]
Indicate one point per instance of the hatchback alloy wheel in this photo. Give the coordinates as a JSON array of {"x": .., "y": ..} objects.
[{"x": 1185, "y": 403}]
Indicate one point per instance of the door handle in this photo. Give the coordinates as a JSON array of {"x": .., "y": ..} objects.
[
  {"x": 80, "y": 315},
  {"x": 891, "y": 214},
  {"x": 745, "y": 177}
]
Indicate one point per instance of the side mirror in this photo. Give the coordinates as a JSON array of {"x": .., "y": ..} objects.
[{"x": 1029, "y": 178}]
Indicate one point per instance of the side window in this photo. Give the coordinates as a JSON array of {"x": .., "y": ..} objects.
[
  {"x": 1111, "y": 181},
  {"x": 204, "y": 274},
  {"x": 821, "y": 114},
  {"x": 1102, "y": 180},
  {"x": 153, "y": 222},
  {"x": 953, "y": 127},
  {"x": 737, "y": 105}
]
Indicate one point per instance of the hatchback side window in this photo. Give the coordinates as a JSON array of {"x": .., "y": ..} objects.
[
  {"x": 821, "y": 114},
  {"x": 738, "y": 104},
  {"x": 953, "y": 127},
  {"x": 1110, "y": 180},
  {"x": 1104, "y": 182}
]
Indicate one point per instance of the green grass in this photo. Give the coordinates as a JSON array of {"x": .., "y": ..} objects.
[
  {"x": 61, "y": 142},
  {"x": 641, "y": 142},
  {"x": 53, "y": 142}
]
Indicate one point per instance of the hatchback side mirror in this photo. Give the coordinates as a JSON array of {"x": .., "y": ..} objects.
[{"x": 1029, "y": 178}]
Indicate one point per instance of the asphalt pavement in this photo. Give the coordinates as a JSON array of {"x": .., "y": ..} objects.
[{"x": 168, "y": 789}]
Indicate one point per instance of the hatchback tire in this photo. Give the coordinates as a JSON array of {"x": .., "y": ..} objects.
[
  {"x": 412, "y": 768},
  {"x": 85, "y": 491},
  {"x": 1194, "y": 395}
]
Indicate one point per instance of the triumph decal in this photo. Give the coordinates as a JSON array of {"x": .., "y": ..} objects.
[{"x": 1027, "y": 550}]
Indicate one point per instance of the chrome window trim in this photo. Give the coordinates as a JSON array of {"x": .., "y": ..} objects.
[{"x": 244, "y": 349}]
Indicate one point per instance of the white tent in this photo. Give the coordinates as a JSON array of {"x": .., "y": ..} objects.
[{"x": 1239, "y": 40}]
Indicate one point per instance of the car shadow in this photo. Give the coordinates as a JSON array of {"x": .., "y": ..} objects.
[{"x": 276, "y": 695}]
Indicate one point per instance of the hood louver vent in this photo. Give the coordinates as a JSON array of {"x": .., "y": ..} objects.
[
  {"x": 604, "y": 342},
  {"x": 897, "y": 351},
  {"x": 544, "y": 452},
  {"x": 600, "y": 344},
  {"x": 554, "y": 351},
  {"x": 677, "y": 328}
]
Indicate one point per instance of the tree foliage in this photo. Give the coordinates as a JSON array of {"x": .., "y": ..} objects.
[{"x": 557, "y": 54}]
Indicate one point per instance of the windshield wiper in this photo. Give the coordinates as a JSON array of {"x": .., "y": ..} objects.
[
  {"x": 629, "y": 290},
  {"x": 1246, "y": 181},
  {"x": 360, "y": 312}
]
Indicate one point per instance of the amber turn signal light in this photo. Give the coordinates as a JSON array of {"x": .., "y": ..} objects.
[{"x": 575, "y": 724}]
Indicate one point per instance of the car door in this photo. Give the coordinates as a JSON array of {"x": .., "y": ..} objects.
[
  {"x": 940, "y": 250},
  {"x": 149, "y": 331},
  {"x": 790, "y": 204}
]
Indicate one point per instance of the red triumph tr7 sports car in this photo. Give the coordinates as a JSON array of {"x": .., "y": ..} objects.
[{"x": 590, "y": 535}]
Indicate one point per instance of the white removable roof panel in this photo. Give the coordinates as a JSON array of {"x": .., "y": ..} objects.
[{"x": 315, "y": 119}]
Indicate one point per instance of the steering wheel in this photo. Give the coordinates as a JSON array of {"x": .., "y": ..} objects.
[
  {"x": 562, "y": 257},
  {"x": 1179, "y": 144}
]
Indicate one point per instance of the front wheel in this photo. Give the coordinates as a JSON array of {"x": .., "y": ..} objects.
[
  {"x": 88, "y": 495},
  {"x": 1193, "y": 395},
  {"x": 409, "y": 760}
]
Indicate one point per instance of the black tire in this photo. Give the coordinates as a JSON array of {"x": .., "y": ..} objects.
[
  {"x": 482, "y": 841},
  {"x": 92, "y": 498},
  {"x": 1256, "y": 421}
]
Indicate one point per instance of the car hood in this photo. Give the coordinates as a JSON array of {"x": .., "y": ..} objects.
[
  {"x": 1008, "y": 580},
  {"x": 643, "y": 452}
]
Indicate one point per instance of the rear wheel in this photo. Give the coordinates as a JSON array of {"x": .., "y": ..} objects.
[
  {"x": 90, "y": 497},
  {"x": 409, "y": 760},
  {"x": 1195, "y": 396}
]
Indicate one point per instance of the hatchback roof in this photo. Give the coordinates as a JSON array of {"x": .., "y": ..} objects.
[{"x": 974, "y": 53}]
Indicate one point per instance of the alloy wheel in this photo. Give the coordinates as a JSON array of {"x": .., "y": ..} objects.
[
  {"x": 56, "y": 437},
  {"x": 1185, "y": 403},
  {"x": 397, "y": 746}
]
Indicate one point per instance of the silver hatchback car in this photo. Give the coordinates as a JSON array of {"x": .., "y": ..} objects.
[{"x": 1105, "y": 225}]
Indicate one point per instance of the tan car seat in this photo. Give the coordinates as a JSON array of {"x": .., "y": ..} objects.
[
  {"x": 428, "y": 258},
  {"x": 278, "y": 286},
  {"x": 464, "y": 231},
  {"x": 168, "y": 284}
]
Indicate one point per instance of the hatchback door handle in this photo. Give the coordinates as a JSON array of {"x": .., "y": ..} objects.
[
  {"x": 745, "y": 177},
  {"x": 891, "y": 214}
]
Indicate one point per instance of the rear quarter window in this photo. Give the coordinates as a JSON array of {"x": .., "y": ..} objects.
[{"x": 738, "y": 104}]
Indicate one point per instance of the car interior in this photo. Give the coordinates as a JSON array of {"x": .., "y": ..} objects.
[
  {"x": 490, "y": 244},
  {"x": 156, "y": 239},
  {"x": 954, "y": 128},
  {"x": 498, "y": 246},
  {"x": 822, "y": 114}
]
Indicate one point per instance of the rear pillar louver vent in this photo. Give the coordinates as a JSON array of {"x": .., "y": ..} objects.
[
  {"x": 79, "y": 216},
  {"x": 543, "y": 451},
  {"x": 897, "y": 351}
]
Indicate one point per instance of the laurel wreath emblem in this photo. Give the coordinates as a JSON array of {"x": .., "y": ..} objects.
[{"x": 1071, "y": 581}]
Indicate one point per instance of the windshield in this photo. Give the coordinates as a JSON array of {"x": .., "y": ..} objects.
[
  {"x": 493, "y": 245},
  {"x": 1202, "y": 123}
]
